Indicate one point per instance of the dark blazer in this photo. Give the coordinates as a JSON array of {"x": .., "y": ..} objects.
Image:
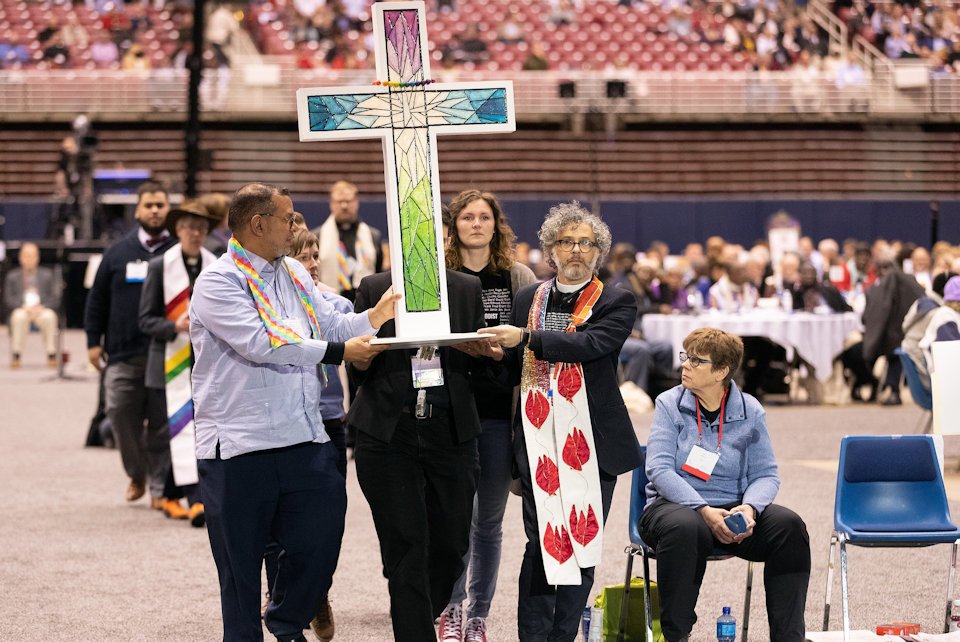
[
  {"x": 154, "y": 323},
  {"x": 831, "y": 297},
  {"x": 887, "y": 303},
  {"x": 596, "y": 345},
  {"x": 385, "y": 384},
  {"x": 113, "y": 303},
  {"x": 48, "y": 287}
]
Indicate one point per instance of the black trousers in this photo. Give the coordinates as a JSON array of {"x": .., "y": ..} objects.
[
  {"x": 894, "y": 375},
  {"x": 546, "y": 612},
  {"x": 420, "y": 488},
  {"x": 682, "y": 541},
  {"x": 294, "y": 495},
  {"x": 337, "y": 429}
]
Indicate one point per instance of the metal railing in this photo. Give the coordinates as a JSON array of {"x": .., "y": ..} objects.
[
  {"x": 831, "y": 23},
  {"x": 268, "y": 91}
]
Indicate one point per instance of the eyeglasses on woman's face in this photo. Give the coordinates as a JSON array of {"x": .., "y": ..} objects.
[{"x": 694, "y": 361}]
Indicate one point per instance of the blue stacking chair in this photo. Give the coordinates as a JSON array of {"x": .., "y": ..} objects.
[
  {"x": 921, "y": 396},
  {"x": 636, "y": 547},
  {"x": 889, "y": 494}
]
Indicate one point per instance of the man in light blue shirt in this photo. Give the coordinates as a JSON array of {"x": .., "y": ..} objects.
[{"x": 266, "y": 464}]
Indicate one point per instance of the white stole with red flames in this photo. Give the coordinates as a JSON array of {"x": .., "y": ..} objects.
[{"x": 561, "y": 450}]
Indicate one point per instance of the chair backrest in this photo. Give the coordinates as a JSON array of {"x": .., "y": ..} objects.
[
  {"x": 890, "y": 484},
  {"x": 638, "y": 499},
  {"x": 921, "y": 396}
]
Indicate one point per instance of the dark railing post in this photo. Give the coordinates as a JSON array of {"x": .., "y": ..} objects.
[
  {"x": 934, "y": 222},
  {"x": 195, "y": 66}
]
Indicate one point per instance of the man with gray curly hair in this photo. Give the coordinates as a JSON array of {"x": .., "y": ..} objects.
[
  {"x": 574, "y": 434},
  {"x": 566, "y": 215}
]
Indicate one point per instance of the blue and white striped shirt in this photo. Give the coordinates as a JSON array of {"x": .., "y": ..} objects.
[{"x": 247, "y": 395}]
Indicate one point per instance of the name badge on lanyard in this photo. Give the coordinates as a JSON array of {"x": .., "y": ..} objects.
[
  {"x": 136, "y": 271},
  {"x": 427, "y": 369},
  {"x": 701, "y": 462}
]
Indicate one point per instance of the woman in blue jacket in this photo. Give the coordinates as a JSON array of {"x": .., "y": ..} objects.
[{"x": 709, "y": 456}]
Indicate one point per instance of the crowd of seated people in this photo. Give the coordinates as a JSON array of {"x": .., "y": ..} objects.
[
  {"x": 534, "y": 34},
  {"x": 554, "y": 34},
  {"x": 885, "y": 282},
  {"x": 130, "y": 36},
  {"x": 921, "y": 29}
]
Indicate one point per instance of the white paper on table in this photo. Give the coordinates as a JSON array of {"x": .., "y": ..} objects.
[
  {"x": 782, "y": 240},
  {"x": 855, "y": 636},
  {"x": 944, "y": 382},
  {"x": 954, "y": 636}
]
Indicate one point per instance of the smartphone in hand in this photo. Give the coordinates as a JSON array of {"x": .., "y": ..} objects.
[{"x": 736, "y": 522}]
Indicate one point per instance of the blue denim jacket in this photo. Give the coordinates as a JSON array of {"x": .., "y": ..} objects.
[{"x": 747, "y": 470}]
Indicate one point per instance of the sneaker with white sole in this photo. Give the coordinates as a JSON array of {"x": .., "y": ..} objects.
[
  {"x": 450, "y": 624},
  {"x": 476, "y": 630}
]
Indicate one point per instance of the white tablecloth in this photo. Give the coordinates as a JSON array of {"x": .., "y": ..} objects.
[{"x": 816, "y": 338}]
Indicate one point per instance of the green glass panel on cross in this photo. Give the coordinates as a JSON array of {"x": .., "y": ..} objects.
[{"x": 408, "y": 110}]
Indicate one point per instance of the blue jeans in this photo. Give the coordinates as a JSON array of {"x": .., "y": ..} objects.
[{"x": 495, "y": 446}]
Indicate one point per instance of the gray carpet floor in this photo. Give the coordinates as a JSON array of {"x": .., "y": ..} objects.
[{"x": 79, "y": 563}]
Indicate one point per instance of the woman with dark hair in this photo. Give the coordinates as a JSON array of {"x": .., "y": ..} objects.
[
  {"x": 709, "y": 456},
  {"x": 480, "y": 243}
]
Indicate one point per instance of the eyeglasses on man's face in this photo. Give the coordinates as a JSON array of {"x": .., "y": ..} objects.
[
  {"x": 567, "y": 245},
  {"x": 290, "y": 221},
  {"x": 694, "y": 361}
]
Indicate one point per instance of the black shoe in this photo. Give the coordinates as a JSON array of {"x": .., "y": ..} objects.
[
  {"x": 892, "y": 400},
  {"x": 857, "y": 395}
]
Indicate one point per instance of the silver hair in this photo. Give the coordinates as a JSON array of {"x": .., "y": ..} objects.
[{"x": 565, "y": 215}]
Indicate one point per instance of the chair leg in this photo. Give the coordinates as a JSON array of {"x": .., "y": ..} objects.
[
  {"x": 829, "y": 592},
  {"x": 746, "y": 603},
  {"x": 951, "y": 576},
  {"x": 625, "y": 601},
  {"x": 647, "y": 597},
  {"x": 844, "y": 595}
]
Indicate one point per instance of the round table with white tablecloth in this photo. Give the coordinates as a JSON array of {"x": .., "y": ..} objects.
[{"x": 815, "y": 338}]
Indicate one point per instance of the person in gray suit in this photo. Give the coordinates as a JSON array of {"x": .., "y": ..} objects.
[{"x": 31, "y": 294}]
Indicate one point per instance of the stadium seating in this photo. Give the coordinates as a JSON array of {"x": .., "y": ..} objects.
[{"x": 605, "y": 34}]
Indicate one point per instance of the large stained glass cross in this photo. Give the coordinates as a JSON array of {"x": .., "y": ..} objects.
[{"x": 408, "y": 111}]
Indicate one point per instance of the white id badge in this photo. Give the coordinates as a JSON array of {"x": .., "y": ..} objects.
[
  {"x": 297, "y": 326},
  {"x": 136, "y": 271},
  {"x": 700, "y": 463},
  {"x": 427, "y": 371}
]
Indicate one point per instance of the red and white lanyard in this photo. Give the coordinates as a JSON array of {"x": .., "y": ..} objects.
[{"x": 723, "y": 402}]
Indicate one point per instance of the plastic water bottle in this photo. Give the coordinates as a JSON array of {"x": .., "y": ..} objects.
[
  {"x": 786, "y": 301},
  {"x": 726, "y": 626},
  {"x": 596, "y": 625},
  {"x": 585, "y": 624}
]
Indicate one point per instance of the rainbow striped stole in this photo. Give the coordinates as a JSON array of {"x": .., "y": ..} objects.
[
  {"x": 177, "y": 363},
  {"x": 343, "y": 278},
  {"x": 280, "y": 334}
]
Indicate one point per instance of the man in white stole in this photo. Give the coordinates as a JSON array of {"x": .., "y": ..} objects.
[
  {"x": 349, "y": 248},
  {"x": 163, "y": 316},
  {"x": 574, "y": 434}
]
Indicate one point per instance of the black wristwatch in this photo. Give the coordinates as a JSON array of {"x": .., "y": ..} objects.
[{"x": 524, "y": 337}]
